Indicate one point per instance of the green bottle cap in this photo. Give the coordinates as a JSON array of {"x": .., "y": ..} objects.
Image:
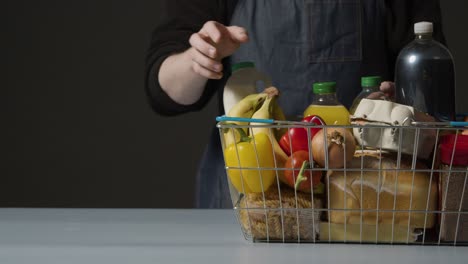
[
  {"x": 242, "y": 65},
  {"x": 371, "y": 81},
  {"x": 324, "y": 87}
]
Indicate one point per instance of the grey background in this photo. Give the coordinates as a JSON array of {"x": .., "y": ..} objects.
[{"x": 76, "y": 129}]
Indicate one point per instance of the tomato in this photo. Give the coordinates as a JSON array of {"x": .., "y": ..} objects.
[
  {"x": 298, "y": 161},
  {"x": 298, "y": 138}
]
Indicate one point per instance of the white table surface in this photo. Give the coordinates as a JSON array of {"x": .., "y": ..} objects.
[{"x": 175, "y": 236}]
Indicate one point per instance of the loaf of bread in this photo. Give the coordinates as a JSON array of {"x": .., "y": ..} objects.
[
  {"x": 387, "y": 194},
  {"x": 384, "y": 233},
  {"x": 263, "y": 217}
]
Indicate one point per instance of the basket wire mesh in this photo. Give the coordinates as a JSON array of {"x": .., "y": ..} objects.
[{"x": 437, "y": 215}]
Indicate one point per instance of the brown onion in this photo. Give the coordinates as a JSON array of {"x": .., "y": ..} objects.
[{"x": 339, "y": 140}]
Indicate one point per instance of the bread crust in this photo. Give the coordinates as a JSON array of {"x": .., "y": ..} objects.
[{"x": 379, "y": 188}]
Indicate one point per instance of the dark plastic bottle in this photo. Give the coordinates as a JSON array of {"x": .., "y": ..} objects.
[{"x": 425, "y": 75}]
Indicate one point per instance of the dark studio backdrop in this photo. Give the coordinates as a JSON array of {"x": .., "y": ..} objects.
[{"x": 76, "y": 129}]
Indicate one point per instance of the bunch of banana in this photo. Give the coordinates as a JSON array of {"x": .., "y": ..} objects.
[
  {"x": 263, "y": 106},
  {"x": 271, "y": 110},
  {"x": 245, "y": 108}
]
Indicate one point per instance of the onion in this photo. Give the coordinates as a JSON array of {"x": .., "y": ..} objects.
[{"x": 338, "y": 139}]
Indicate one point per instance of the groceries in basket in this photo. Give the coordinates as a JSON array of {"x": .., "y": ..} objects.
[
  {"x": 298, "y": 138},
  {"x": 389, "y": 194},
  {"x": 280, "y": 215},
  {"x": 326, "y": 105},
  {"x": 333, "y": 147},
  {"x": 301, "y": 176},
  {"x": 373, "y": 118},
  {"x": 254, "y": 148},
  {"x": 257, "y": 106},
  {"x": 242, "y": 82},
  {"x": 370, "y": 90},
  {"x": 250, "y": 152},
  {"x": 309, "y": 181},
  {"x": 425, "y": 75},
  {"x": 453, "y": 187}
]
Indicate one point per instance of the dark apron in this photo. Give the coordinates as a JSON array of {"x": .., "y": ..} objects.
[{"x": 297, "y": 43}]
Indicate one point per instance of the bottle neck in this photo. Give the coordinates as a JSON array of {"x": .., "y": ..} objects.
[
  {"x": 424, "y": 36},
  {"x": 325, "y": 99}
]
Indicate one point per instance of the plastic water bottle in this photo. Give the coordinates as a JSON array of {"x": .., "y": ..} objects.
[
  {"x": 425, "y": 75},
  {"x": 244, "y": 80}
]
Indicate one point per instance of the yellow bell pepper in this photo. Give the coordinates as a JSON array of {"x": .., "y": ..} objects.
[{"x": 256, "y": 154}]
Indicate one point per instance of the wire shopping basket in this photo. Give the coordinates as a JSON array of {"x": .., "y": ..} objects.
[{"x": 401, "y": 185}]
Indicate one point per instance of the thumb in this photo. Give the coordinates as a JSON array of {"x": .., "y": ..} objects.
[
  {"x": 388, "y": 88},
  {"x": 238, "y": 34}
]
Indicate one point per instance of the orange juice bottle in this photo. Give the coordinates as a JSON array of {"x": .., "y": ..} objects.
[{"x": 326, "y": 105}]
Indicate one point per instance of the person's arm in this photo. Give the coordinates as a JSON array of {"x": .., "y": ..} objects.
[
  {"x": 183, "y": 76},
  {"x": 401, "y": 17},
  {"x": 184, "y": 61},
  {"x": 176, "y": 21}
]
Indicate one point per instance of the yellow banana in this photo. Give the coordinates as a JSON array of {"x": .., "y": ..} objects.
[
  {"x": 266, "y": 112},
  {"x": 244, "y": 108},
  {"x": 278, "y": 114}
]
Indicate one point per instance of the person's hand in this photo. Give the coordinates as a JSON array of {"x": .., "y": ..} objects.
[
  {"x": 388, "y": 88},
  {"x": 386, "y": 92},
  {"x": 211, "y": 44}
]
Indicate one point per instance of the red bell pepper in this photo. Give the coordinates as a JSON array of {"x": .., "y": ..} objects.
[{"x": 296, "y": 138}]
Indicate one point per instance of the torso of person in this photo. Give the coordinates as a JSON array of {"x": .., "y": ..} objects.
[{"x": 298, "y": 43}]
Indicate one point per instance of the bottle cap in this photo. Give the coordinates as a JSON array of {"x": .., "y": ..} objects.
[
  {"x": 371, "y": 81},
  {"x": 324, "y": 87},
  {"x": 242, "y": 65},
  {"x": 423, "y": 27}
]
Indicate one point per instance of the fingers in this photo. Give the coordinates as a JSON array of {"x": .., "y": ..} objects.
[
  {"x": 204, "y": 65},
  {"x": 388, "y": 88},
  {"x": 213, "y": 43},
  {"x": 197, "y": 68},
  {"x": 218, "y": 32},
  {"x": 205, "y": 61},
  {"x": 377, "y": 95},
  {"x": 238, "y": 34},
  {"x": 215, "y": 31},
  {"x": 199, "y": 42},
  {"x": 221, "y": 36}
]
